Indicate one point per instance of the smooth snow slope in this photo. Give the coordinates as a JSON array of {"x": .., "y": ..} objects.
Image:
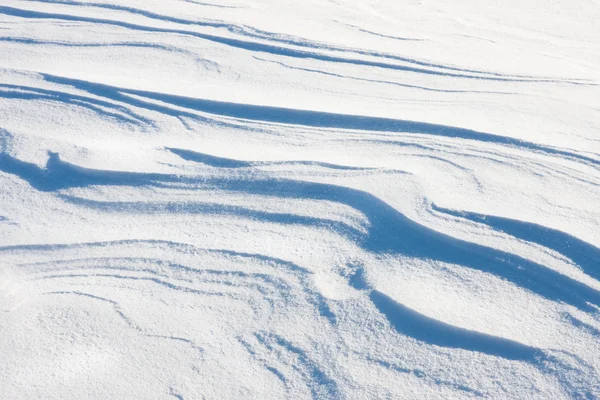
[{"x": 299, "y": 199}]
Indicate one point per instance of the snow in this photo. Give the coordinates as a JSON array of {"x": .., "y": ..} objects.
[{"x": 299, "y": 199}]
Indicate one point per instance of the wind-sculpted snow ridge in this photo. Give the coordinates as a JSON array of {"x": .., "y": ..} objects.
[{"x": 328, "y": 200}]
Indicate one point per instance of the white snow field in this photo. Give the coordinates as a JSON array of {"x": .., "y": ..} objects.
[{"x": 264, "y": 199}]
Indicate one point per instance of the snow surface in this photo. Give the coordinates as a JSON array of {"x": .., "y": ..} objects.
[{"x": 299, "y": 199}]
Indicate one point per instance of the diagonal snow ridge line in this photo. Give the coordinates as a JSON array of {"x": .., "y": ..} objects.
[
  {"x": 118, "y": 113},
  {"x": 274, "y": 49},
  {"x": 306, "y": 118},
  {"x": 115, "y": 305},
  {"x": 232, "y": 284},
  {"x": 583, "y": 254},
  {"x": 322, "y": 72},
  {"x": 429, "y": 330},
  {"x": 283, "y": 284},
  {"x": 259, "y": 34},
  {"x": 139, "y": 208},
  {"x": 426, "y": 329},
  {"x": 279, "y": 38},
  {"x": 113, "y": 45},
  {"x": 434, "y": 332},
  {"x": 201, "y": 3},
  {"x": 222, "y": 162},
  {"x": 390, "y": 231},
  {"x": 178, "y": 247},
  {"x": 138, "y": 44},
  {"x": 320, "y": 384},
  {"x": 254, "y": 33}
]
